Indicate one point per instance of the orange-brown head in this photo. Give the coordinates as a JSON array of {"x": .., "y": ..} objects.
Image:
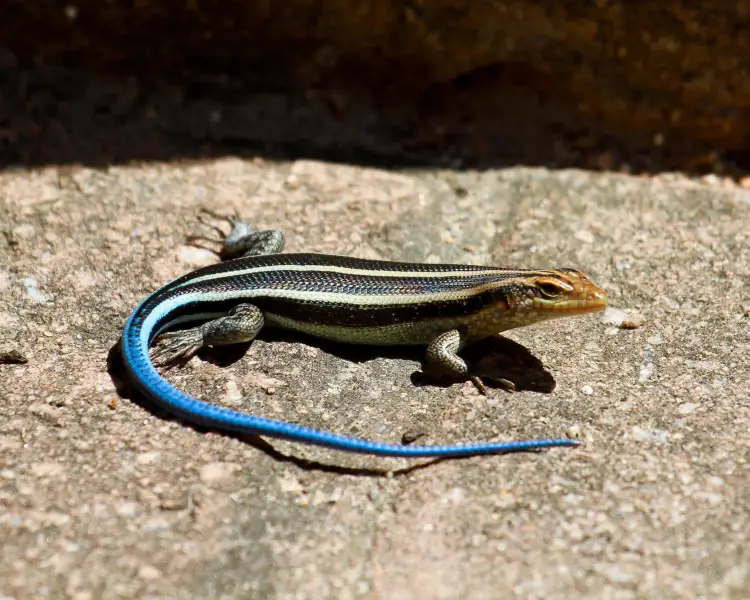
[
  {"x": 565, "y": 292},
  {"x": 526, "y": 297}
]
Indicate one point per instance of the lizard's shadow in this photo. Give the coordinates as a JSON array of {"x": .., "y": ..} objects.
[{"x": 495, "y": 357}]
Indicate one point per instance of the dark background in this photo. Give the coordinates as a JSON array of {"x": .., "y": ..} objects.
[{"x": 637, "y": 85}]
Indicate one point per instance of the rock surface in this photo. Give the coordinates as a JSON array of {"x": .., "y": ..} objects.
[{"x": 102, "y": 497}]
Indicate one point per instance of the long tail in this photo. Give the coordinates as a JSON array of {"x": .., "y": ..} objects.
[{"x": 160, "y": 391}]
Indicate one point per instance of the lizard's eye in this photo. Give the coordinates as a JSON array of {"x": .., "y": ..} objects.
[{"x": 549, "y": 290}]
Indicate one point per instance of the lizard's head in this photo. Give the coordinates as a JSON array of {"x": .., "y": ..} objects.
[
  {"x": 526, "y": 297},
  {"x": 564, "y": 292}
]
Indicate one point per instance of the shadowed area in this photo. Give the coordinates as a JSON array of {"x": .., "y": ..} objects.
[
  {"x": 466, "y": 84},
  {"x": 496, "y": 358}
]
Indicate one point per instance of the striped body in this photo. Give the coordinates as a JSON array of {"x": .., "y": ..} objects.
[
  {"x": 354, "y": 300},
  {"x": 350, "y": 300}
]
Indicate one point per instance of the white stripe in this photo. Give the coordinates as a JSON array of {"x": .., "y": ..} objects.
[
  {"x": 373, "y": 300},
  {"x": 347, "y": 271}
]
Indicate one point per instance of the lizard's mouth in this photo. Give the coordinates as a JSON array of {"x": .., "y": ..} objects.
[
  {"x": 592, "y": 300},
  {"x": 589, "y": 300}
]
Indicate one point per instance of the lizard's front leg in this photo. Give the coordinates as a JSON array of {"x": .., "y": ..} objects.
[
  {"x": 242, "y": 324},
  {"x": 442, "y": 355}
]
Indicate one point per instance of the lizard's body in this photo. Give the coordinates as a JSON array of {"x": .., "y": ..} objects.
[{"x": 444, "y": 307}]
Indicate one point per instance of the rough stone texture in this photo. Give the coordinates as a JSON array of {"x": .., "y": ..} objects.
[
  {"x": 101, "y": 497},
  {"x": 667, "y": 78}
]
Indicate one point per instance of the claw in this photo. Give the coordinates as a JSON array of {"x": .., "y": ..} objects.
[
  {"x": 239, "y": 228},
  {"x": 206, "y": 223},
  {"x": 507, "y": 384},
  {"x": 479, "y": 385}
]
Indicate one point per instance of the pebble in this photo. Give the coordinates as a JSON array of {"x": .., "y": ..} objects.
[
  {"x": 46, "y": 469},
  {"x": 622, "y": 319},
  {"x": 614, "y": 574},
  {"x": 127, "y": 509},
  {"x": 32, "y": 290},
  {"x": 45, "y": 412},
  {"x": 197, "y": 257},
  {"x": 149, "y": 573},
  {"x": 585, "y": 236},
  {"x": 156, "y": 524},
  {"x": 656, "y": 436},
  {"x": 613, "y": 316},
  {"x": 645, "y": 372},
  {"x": 146, "y": 458},
  {"x": 218, "y": 473}
]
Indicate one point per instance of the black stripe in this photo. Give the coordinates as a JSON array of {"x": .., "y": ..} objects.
[
  {"x": 352, "y": 315},
  {"x": 338, "y": 283},
  {"x": 347, "y": 315}
]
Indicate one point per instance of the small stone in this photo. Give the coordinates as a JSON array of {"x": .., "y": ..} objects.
[
  {"x": 645, "y": 372},
  {"x": 46, "y": 413},
  {"x": 614, "y": 574},
  {"x": 686, "y": 408},
  {"x": 290, "y": 484},
  {"x": 55, "y": 519},
  {"x": 711, "y": 498},
  {"x": 711, "y": 179},
  {"x": 149, "y": 573},
  {"x": 622, "y": 265},
  {"x": 585, "y": 236},
  {"x": 218, "y": 474},
  {"x": 268, "y": 384},
  {"x": 613, "y": 316},
  {"x": 622, "y": 319},
  {"x": 574, "y": 432},
  {"x": 146, "y": 458},
  {"x": 656, "y": 436},
  {"x": 159, "y": 523},
  {"x": 32, "y": 290},
  {"x": 635, "y": 320},
  {"x": 127, "y": 509},
  {"x": 587, "y": 389},
  {"x": 48, "y": 469},
  {"x": 196, "y": 257},
  {"x": 233, "y": 393}
]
